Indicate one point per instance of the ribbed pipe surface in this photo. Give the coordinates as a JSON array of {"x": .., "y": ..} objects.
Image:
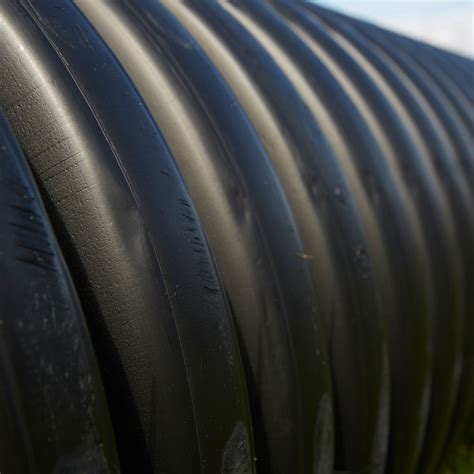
[{"x": 267, "y": 209}]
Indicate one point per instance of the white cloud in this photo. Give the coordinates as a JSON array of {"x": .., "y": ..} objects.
[
  {"x": 451, "y": 29},
  {"x": 447, "y": 24}
]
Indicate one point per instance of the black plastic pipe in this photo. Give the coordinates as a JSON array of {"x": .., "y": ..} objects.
[{"x": 266, "y": 209}]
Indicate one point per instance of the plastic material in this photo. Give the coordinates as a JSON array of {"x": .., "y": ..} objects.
[
  {"x": 140, "y": 261},
  {"x": 266, "y": 209},
  {"x": 53, "y": 413}
]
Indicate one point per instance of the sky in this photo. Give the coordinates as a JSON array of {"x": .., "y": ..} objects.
[{"x": 444, "y": 23}]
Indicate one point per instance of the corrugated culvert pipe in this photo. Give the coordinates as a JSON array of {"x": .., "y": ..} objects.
[{"x": 235, "y": 237}]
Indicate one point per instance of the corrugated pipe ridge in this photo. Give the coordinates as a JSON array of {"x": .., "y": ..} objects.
[{"x": 258, "y": 227}]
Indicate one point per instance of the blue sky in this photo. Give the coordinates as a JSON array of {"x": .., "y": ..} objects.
[{"x": 445, "y": 23}]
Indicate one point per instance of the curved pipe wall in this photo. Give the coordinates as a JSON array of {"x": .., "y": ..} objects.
[{"x": 267, "y": 212}]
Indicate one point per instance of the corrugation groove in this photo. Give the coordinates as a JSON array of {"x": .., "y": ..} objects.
[
  {"x": 356, "y": 308},
  {"x": 425, "y": 192},
  {"x": 461, "y": 137},
  {"x": 455, "y": 184},
  {"x": 264, "y": 230},
  {"x": 267, "y": 211}
]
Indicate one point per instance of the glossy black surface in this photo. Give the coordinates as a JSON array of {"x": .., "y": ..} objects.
[
  {"x": 53, "y": 412},
  {"x": 250, "y": 227},
  {"x": 140, "y": 261},
  {"x": 266, "y": 209}
]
